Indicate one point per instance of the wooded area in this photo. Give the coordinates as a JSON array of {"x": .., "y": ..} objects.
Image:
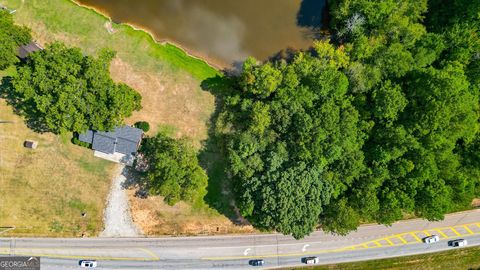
[{"x": 380, "y": 123}]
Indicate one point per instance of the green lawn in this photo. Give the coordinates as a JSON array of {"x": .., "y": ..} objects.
[{"x": 458, "y": 259}]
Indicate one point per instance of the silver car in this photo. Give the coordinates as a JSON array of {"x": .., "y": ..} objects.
[{"x": 431, "y": 239}]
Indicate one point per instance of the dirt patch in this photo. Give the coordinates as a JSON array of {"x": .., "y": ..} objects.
[
  {"x": 108, "y": 25},
  {"x": 166, "y": 102},
  {"x": 154, "y": 217},
  {"x": 476, "y": 202}
]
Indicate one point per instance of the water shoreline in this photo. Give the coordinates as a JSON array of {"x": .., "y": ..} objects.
[{"x": 216, "y": 64}]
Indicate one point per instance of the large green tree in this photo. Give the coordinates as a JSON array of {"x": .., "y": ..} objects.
[
  {"x": 173, "y": 170},
  {"x": 293, "y": 139},
  {"x": 11, "y": 36},
  {"x": 61, "y": 89}
]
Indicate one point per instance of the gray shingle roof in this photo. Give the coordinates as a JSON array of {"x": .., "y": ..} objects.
[
  {"x": 25, "y": 50},
  {"x": 103, "y": 144},
  {"x": 86, "y": 137},
  {"x": 123, "y": 140}
]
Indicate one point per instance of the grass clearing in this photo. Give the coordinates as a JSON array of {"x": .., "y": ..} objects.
[
  {"x": 457, "y": 259},
  {"x": 44, "y": 191},
  {"x": 170, "y": 83}
]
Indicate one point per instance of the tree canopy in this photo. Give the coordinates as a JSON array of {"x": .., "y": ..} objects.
[
  {"x": 380, "y": 123},
  {"x": 64, "y": 90},
  {"x": 12, "y": 36},
  {"x": 296, "y": 139},
  {"x": 173, "y": 170}
]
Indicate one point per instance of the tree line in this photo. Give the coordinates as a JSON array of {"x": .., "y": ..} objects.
[{"x": 380, "y": 123}]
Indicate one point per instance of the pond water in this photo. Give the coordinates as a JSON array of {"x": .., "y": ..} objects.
[{"x": 224, "y": 31}]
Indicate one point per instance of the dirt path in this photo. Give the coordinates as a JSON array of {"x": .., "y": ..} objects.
[{"x": 117, "y": 219}]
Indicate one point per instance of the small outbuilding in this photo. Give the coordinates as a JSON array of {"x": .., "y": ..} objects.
[
  {"x": 30, "y": 144},
  {"x": 24, "y": 50}
]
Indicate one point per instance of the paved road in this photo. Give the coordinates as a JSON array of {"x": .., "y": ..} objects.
[{"x": 233, "y": 252}]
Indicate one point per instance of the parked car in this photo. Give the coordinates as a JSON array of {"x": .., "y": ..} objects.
[
  {"x": 88, "y": 263},
  {"x": 458, "y": 243},
  {"x": 257, "y": 262},
  {"x": 431, "y": 239},
  {"x": 310, "y": 260}
]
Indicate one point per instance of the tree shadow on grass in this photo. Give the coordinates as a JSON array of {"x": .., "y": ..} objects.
[
  {"x": 212, "y": 158},
  {"x": 33, "y": 119}
]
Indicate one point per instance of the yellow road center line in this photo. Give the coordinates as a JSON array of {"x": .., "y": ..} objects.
[
  {"x": 467, "y": 229},
  {"x": 416, "y": 237},
  {"x": 149, "y": 252},
  {"x": 401, "y": 239},
  {"x": 455, "y": 231},
  {"x": 441, "y": 233},
  {"x": 390, "y": 242},
  {"x": 358, "y": 246}
]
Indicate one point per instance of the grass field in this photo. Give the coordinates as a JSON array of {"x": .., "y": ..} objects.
[
  {"x": 40, "y": 192},
  {"x": 169, "y": 81},
  {"x": 459, "y": 259}
]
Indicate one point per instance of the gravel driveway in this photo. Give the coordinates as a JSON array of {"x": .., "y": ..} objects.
[{"x": 117, "y": 219}]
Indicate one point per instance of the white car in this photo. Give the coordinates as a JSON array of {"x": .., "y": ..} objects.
[
  {"x": 431, "y": 239},
  {"x": 458, "y": 243},
  {"x": 88, "y": 263},
  {"x": 311, "y": 260}
]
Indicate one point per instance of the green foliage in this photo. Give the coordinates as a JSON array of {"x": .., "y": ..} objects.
[
  {"x": 173, "y": 170},
  {"x": 296, "y": 145},
  {"x": 60, "y": 89},
  {"x": 145, "y": 126},
  {"x": 384, "y": 124},
  {"x": 76, "y": 141},
  {"x": 11, "y": 36}
]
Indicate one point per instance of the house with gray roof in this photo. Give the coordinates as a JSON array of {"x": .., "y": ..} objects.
[{"x": 119, "y": 145}]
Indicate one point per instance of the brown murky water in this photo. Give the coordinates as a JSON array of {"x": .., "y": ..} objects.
[{"x": 224, "y": 30}]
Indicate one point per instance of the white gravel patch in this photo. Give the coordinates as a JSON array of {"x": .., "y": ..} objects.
[{"x": 117, "y": 219}]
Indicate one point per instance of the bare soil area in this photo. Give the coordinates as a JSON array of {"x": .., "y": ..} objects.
[{"x": 155, "y": 217}]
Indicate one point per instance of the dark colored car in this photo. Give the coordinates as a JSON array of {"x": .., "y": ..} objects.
[
  {"x": 458, "y": 243},
  {"x": 257, "y": 262}
]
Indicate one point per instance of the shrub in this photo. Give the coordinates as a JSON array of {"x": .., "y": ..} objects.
[
  {"x": 76, "y": 141},
  {"x": 143, "y": 125}
]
